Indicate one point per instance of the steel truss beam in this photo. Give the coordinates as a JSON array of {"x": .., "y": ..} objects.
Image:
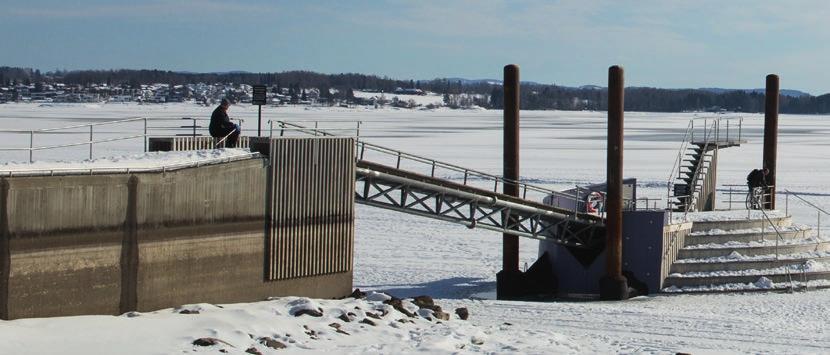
[{"x": 421, "y": 198}]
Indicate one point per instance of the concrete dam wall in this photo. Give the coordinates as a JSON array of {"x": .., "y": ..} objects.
[{"x": 113, "y": 243}]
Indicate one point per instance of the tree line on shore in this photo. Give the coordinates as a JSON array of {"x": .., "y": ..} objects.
[{"x": 534, "y": 96}]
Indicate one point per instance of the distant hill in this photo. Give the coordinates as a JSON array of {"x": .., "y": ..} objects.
[
  {"x": 485, "y": 81},
  {"x": 784, "y": 92}
]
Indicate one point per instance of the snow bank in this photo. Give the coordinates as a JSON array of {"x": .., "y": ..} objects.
[
  {"x": 144, "y": 161},
  {"x": 290, "y": 324}
]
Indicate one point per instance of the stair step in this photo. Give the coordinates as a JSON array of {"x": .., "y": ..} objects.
[
  {"x": 717, "y": 236},
  {"x": 803, "y": 271},
  {"x": 753, "y": 248},
  {"x": 744, "y": 263},
  {"x": 793, "y": 282},
  {"x": 735, "y": 219}
]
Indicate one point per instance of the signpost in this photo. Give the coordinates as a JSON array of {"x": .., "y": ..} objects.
[{"x": 259, "y": 99}]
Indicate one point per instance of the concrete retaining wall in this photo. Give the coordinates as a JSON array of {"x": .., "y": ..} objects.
[{"x": 108, "y": 244}]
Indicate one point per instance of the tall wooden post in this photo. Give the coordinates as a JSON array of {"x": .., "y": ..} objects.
[
  {"x": 510, "y": 257},
  {"x": 509, "y": 282},
  {"x": 771, "y": 137},
  {"x": 614, "y": 285}
]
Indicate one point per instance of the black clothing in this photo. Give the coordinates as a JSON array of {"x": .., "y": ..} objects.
[
  {"x": 756, "y": 178},
  {"x": 221, "y": 126}
]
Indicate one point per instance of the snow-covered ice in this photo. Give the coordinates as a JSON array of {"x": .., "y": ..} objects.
[{"x": 407, "y": 256}]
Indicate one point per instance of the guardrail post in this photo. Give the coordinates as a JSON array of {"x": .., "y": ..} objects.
[
  {"x": 771, "y": 137},
  {"x": 31, "y": 146},
  {"x": 90, "y": 142},
  {"x": 145, "y": 134},
  {"x": 740, "y": 127},
  {"x": 614, "y": 286}
]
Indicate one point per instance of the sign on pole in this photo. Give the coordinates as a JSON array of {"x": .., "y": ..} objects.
[
  {"x": 259, "y": 99},
  {"x": 259, "y": 95}
]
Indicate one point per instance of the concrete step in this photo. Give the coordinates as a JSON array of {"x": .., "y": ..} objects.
[
  {"x": 718, "y": 236},
  {"x": 742, "y": 263},
  {"x": 711, "y": 250},
  {"x": 797, "y": 272},
  {"x": 738, "y": 219},
  {"x": 794, "y": 282}
]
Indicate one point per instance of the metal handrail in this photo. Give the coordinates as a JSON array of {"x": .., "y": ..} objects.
[
  {"x": 73, "y": 144},
  {"x": 133, "y": 119},
  {"x": 91, "y": 141},
  {"x": 435, "y": 164},
  {"x": 819, "y": 211},
  {"x": 788, "y": 192},
  {"x": 676, "y": 165},
  {"x": 777, "y": 240}
]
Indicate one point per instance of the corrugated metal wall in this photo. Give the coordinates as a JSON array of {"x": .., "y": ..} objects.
[
  {"x": 203, "y": 142},
  {"x": 312, "y": 207}
]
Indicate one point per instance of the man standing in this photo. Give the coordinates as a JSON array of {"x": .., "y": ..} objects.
[{"x": 221, "y": 125}]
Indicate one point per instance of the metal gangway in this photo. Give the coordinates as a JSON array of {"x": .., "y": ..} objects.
[{"x": 456, "y": 194}]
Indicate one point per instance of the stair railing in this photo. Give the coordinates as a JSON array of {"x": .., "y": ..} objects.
[
  {"x": 677, "y": 162},
  {"x": 819, "y": 211},
  {"x": 778, "y": 239},
  {"x": 733, "y": 134},
  {"x": 693, "y": 191}
]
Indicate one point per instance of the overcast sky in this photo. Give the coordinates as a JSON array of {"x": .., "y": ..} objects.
[{"x": 661, "y": 43}]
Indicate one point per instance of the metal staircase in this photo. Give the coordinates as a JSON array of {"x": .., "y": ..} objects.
[{"x": 691, "y": 184}]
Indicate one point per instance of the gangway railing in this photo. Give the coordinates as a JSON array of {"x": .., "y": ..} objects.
[
  {"x": 456, "y": 199},
  {"x": 466, "y": 175}
]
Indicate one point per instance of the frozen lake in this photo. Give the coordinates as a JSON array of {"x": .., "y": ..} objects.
[{"x": 409, "y": 256}]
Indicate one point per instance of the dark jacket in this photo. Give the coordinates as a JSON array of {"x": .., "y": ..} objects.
[
  {"x": 756, "y": 178},
  {"x": 220, "y": 123}
]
